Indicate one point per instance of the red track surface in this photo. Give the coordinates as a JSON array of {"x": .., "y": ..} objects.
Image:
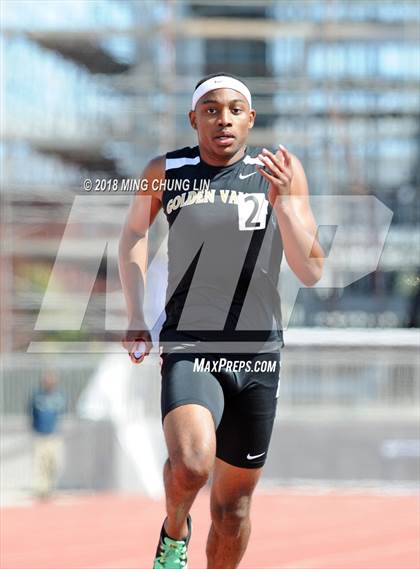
[{"x": 290, "y": 531}]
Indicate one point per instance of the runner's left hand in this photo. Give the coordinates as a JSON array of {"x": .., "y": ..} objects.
[{"x": 279, "y": 174}]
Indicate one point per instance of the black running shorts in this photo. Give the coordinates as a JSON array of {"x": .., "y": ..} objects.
[{"x": 240, "y": 391}]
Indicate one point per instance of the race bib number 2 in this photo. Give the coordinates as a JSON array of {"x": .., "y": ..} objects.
[{"x": 252, "y": 211}]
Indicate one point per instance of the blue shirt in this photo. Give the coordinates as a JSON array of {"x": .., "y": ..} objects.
[{"x": 46, "y": 407}]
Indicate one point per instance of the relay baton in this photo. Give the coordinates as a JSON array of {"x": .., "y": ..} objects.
[{"x": 139, "y": 351}]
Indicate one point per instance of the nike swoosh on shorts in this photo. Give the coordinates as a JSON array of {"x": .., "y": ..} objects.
[{"x": 252, "y": 457}]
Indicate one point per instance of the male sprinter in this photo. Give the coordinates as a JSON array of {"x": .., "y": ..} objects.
[{"x": 222, "y": 335}]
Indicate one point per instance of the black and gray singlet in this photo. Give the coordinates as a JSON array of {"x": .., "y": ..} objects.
[{"x": 224, "y": 255}]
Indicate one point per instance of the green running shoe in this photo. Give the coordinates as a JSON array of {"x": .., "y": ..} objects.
[{"x": 170, "y": 553}]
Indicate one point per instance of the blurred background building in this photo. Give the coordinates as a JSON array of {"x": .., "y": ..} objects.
[{"x": 93, "y": 89}]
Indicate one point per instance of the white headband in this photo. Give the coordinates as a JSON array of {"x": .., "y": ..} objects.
[{"x": 220, "y": 82}]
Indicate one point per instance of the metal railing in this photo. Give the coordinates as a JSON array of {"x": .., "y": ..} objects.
[
  {"x": 21, "y": 375},
  {"x": 321, "y": 368}
]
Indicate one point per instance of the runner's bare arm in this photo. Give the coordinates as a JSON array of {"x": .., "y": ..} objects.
[
  {"x": 289, "y": 196},
  {"x": 298, "y": 228},
  {"x": 133, "y": 241}
]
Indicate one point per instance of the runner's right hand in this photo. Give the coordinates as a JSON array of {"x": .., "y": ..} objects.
[{"x": 136, "y": 333}]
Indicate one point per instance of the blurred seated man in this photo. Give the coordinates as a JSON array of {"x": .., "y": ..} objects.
[{"x": 46, "y": 406}]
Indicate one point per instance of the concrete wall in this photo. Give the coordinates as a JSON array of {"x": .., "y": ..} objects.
[{"x": 335, "y": 450}]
